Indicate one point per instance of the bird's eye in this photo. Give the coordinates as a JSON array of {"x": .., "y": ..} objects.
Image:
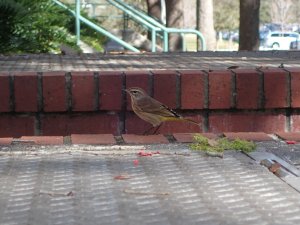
[{"x": 134, "y": 92}]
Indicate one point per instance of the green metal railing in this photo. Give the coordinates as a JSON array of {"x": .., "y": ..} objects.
[
  {"x": 156, "y": 28},
  {"x": 166, "y": 30},
  {"x": 101, "y": 30}
]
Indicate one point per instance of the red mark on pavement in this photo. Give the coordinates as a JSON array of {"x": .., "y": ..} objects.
[
  {"x": 136, "y": 162},
  {"x": 291, "y": 142},
  {"x": 142, "y": 153}
]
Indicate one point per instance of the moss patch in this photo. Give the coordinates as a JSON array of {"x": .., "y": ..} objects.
[{"x": 220, "y": 145}]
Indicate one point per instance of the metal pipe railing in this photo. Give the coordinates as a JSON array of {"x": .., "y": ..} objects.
[
  {"x": 166, "y": 30},
  {"x": 101, "y": 30}
]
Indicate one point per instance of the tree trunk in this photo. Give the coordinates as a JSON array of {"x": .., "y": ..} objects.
[
  {"x": 174, "y": 19},
  {"x": 249, "y": 25},
  {"x": 206, "y": 23},
  {"x": 154, "y": 8}
]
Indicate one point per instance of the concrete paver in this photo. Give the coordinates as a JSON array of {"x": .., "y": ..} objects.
[{"x": 114, "y": 185}]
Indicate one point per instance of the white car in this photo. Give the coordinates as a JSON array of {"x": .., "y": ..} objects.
[{"x": 281, "y": 40}]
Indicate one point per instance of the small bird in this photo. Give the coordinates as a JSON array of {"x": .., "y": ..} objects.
[{"x": 151, "y": 110}]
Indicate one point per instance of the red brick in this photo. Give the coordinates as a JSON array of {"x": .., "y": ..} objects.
[
  {"x": 136, "y": 79},
  {"x": 83, "y": 91},
  {"x": 192, "y": 89},
  {"x": 246, "y": 122},
  {"x": 6, "y": 141},
  {"x": 220, "y": 90},
  {"x": 93, "y": 139},
  {"x": 4, "y": 92},
  {"x": 295, "y": 123},
  {"x": 110, "y": 90},
  {"x": 164, "y": 87},
  {"x": 181, "y": 127},
  {"x": 291, "y": 136},
  {"x": 79, "y": 124},
  {"x": 248, "y": 93},
  {"x": 16, "y": 126},
  {"x": 276, "y": 88},
  {"x": 144, "y": 139},
  {"x": 54, "y": 92},
  {"x": 189, "y": 137},
  {"x": 249, "y": 136},
  {"x": 295, "y": 88},
  {"x": 135, "y": 125},
  {"x": 26, "y": 92},
  {"x": 44, "y": 140}
]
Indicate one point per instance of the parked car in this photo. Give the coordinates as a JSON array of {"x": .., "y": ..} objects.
[
  {"x": 281, "y": 40},
  {"x": 295, "y": 45}
]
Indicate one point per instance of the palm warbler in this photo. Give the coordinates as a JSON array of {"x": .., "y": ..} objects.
[{"x": 151, "y": 110}]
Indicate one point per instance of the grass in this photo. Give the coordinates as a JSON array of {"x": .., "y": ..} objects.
[{"x": 218, "y": 146}]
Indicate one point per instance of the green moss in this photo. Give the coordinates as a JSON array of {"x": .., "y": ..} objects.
[{"x": 218, "y": 146}]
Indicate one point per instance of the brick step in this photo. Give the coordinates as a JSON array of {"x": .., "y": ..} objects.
[{"x": 109, "y": 139}]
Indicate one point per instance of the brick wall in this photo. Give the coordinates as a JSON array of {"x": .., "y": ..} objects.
[{"x": 60, "y": 103}]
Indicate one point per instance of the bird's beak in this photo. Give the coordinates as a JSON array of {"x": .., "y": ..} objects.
[{"x": 126, "y": 90}]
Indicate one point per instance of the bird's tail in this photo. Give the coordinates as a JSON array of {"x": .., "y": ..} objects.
[
  {"x": 190, "y": 121},
  {"x": 182, "y": 120}
]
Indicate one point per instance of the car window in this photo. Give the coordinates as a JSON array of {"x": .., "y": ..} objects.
[
  {"x": 291, "y": 35},
  {"x": 275, "y": 35}
]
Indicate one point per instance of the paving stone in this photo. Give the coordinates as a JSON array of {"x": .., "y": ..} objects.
[
  {"x": 144, "y": 139},
  {"x": 250, "y": 136},
  {"x": 93, "y": 139},
  {"x": 70, "y": 185}
]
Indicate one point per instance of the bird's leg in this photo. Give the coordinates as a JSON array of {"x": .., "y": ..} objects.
[
  {"x": 156, "y": 129},
  {"x": 147, "y": 131}
]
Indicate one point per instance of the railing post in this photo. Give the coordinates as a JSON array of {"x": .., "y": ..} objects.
[
  {"x": 166, "y": 41},
  {"x": 77, "y": 21},
  {"x": 153, "y": 40}
]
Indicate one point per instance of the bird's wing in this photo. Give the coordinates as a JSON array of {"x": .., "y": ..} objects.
[{"x": 150, "y": 105}]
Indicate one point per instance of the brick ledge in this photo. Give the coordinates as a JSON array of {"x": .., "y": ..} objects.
[{"x": 110, "y": 139}]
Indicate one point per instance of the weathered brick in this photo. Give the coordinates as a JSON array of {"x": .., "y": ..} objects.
[
  {"x": 16, "y": 126},
  {"x": 136, "y": 79},
  {"x": 276, "y": 88},
  {"x": 26, "y": 92},
  {"x": 83, "y": 91},
  {"x": 291, "y": 136},
  {"x": 189, "y": 137},
  {"x": 4, "y": 92},
  {"x": 110, "y": 90},
  {"x": 79, "y": 124},
  {"x": 44, "y": 140},
  {"x": 144, "y": 139},
  {"x": 193, "y": 89},
  {"x": 220, "y": 89},
  {"x": 247, "y": 122},
  {"x": 164, "y": 86},
  {"x": 93, "y": 139},
  {"x": 135, "y": 125},
  {"x": 54, "y": 92},
  {"x": 295, "y": 122},
  {"x": 249, "y": 136},
  {"x": 295, "y": 87},
  {"x": 182, "y": 127},
  {"x": 248, "y": 89},
  {"x": 6, "y": 141}
]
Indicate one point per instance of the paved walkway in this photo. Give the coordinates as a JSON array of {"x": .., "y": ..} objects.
[
  {"x": 174, "y": 61},
  {"x": 83, "y": 184}
]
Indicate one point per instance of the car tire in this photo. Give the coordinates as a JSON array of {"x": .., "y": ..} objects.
[{"x": 275, "y": 45}]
